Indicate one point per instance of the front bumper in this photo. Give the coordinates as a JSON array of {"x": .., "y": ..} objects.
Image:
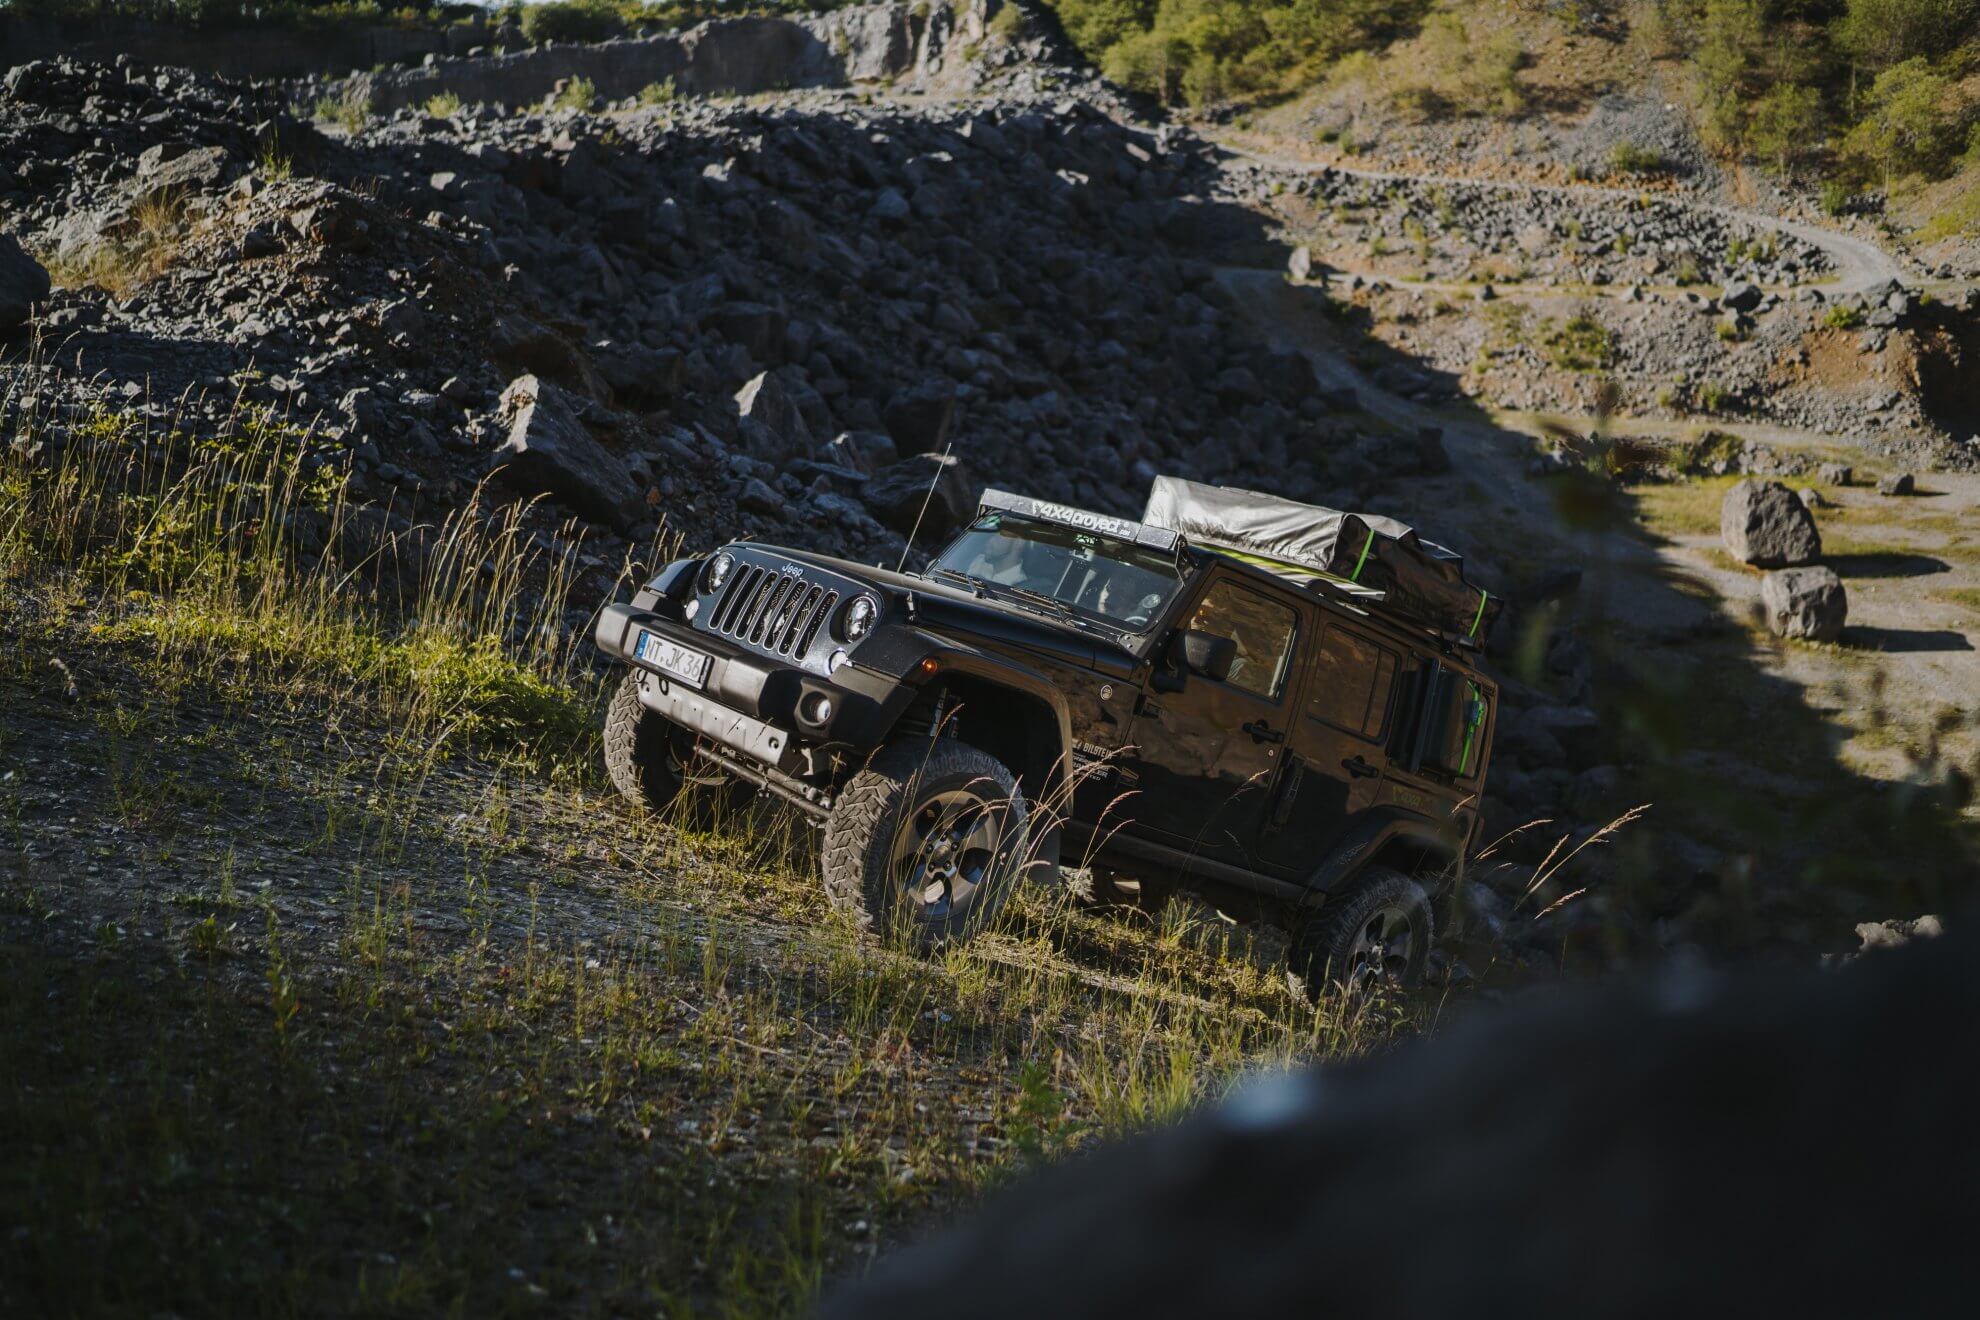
[{"x": 752, "y": 705}]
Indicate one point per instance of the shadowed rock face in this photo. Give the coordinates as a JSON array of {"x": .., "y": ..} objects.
[
  {"x": 23, "y": 285},
  {"x": 733, "y": 56},
  {"x": 1769, "y": 1145}
]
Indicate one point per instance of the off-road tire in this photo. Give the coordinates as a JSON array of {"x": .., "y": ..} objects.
[
  {"x": 639, "y": 751},
  {"x": 1322, "y": 949},
  {"x": 858, "y": 860}
]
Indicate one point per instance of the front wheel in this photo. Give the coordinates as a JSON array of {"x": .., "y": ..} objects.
[
  {"x": 929, "y": 838},
  {"x": 1376, "y": 930},
  {"x": 639, "y": 749}
]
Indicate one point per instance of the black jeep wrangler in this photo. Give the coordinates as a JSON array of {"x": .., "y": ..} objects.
[{"x": 1210, "y": 696}]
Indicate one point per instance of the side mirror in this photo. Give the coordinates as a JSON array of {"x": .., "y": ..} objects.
[{"x": 1205, "y": 653}]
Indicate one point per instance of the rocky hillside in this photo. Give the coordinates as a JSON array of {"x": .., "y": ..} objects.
[
  {"x": 724, "y": 314},
  {"x": 665, "y": 309}
]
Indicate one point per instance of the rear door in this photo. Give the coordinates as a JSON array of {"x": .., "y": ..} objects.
[{"x": 1335, "y": 758}]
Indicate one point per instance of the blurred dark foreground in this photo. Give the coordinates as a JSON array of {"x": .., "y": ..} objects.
[{"x": 1771, "y": 1144}]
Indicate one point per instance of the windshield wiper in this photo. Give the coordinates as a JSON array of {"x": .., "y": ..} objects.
[
  {"x": 1052, "y": 603},
  {"x": 981, "y": 587},
  {"x": 975, "y": 584}
]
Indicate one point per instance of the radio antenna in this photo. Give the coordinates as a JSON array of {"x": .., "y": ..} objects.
[{"x": 941, "y": 465}]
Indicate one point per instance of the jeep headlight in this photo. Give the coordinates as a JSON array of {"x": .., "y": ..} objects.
[
  {"x": 718, "y": 570},
  {"x": 856, "y": 620}
]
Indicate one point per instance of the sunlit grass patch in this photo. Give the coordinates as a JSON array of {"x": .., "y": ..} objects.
[{"x": 233, "y": 556}]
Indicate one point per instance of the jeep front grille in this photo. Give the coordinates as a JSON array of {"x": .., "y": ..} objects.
[{"x": 772, "y": 611}]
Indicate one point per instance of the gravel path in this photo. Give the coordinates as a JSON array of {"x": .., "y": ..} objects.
[{"x": 1859, "y": 264}]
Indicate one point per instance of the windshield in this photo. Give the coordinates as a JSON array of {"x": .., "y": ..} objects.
[{"x": 1099, "y": 577}]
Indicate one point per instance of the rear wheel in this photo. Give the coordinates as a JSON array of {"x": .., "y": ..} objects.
[
  {"x": 1376, "y": 930},
  {"x": 930, "y": 838},
  {"x": 639, "y": 749}
]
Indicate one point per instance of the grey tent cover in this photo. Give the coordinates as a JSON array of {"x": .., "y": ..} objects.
[{"x": 1420, "y": 578}]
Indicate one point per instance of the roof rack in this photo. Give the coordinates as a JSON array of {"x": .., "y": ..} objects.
[
  {"x": 1361, "y": 598},
  {"x": 1419, "y": 580}
]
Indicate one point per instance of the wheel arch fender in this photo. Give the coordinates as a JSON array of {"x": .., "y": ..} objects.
[
  {"x": 1014, "y": 712},
  {"x": 1384, "y": 838}
]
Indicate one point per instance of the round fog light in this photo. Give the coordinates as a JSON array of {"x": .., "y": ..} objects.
[
  {"x": 692, "y": 608},
  {"x": 817, "y": 708},
  {"x": 839, "y": 658}
]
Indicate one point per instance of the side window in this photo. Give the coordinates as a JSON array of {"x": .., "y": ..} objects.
[
  {"x": 1457, "y": 713},
  {"x": 1352, "y": 683},
  {"x": 1261, "y": 627}
]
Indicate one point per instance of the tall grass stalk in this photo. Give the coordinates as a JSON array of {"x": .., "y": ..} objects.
[{"x": 235, "y": 552}]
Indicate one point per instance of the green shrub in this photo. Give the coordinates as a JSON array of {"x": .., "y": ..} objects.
[
  {"x": 1009, "y": 22},
  {"x": 350, "y": 111},
  {"x": 1843, "y": 316},
  {"x": 571, "y": 20},
  {"x": 578, "y": 94},
  {"x": 1583, "y": 344},
  {"x": 659, "y": 93},
  {"x": 444, "y": 106},
  {"x": 1199, "y": 51},
  {"x": 1628, "y": 158}
]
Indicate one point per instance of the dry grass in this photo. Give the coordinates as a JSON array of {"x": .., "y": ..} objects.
[
  {"x": 142, "y": 251},
  {"x": 351, "y": 988}
]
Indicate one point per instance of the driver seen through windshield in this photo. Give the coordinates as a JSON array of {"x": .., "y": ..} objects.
[{"x": 1116, "y": 581}]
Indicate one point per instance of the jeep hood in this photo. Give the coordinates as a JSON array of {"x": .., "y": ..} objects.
[{"x": 943, "y": 608}]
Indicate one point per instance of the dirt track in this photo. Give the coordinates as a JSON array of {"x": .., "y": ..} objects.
[{"x": 1859, "y": 264}]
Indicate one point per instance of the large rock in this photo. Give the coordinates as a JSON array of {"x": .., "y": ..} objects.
[
  {"x": 1805, "y": 602},
  {"x": 919, "y": 418},
  {"x": 771, "y": 427},
  {"x": 1740, "y": 297},
  {"x": 897, "y": 496},
  {"x": 1695, "y": 1144},
  {"x": 174, "y": 168},
  {"x": 1763, "y": 524},
  {"x": 23, "y": 285},
  {"x": 550, "y": 451}
]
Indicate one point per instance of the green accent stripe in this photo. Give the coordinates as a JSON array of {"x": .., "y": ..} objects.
[
  {"x": 1479, "y": 617},
  {"x": 1282, "y": 567},
  {"x": 1366, "y": 546},
  {"x": 1471, "y": 728}
]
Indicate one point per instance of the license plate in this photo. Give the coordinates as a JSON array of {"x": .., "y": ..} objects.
[{"x": 672, "y": 659}]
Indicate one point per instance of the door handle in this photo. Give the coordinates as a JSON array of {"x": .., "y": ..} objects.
[
  {"x": 1359, "y": 768},
  {"x": 1262, "y": 732}
]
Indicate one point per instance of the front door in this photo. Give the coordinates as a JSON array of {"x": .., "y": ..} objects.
[
  {"x": 1208, "y": 756},
  {"x": 1334, "y": 758}
]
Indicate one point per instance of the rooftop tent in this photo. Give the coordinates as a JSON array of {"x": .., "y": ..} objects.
[{"x": 1417, "y": 578}]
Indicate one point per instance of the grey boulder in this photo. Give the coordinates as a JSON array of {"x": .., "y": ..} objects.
[
  {"x": 928, "y": 489},
  {"x": 1766, "y": 524},
  {"x": 771, "y": 427},
  {"x": 23, "y": 285},
  {"x": 549, "y": 451},
  {"x": 1740, "y": 297},
  {"x": 1898, "y": 483},
  {"x": 1805, "y": 602},
  {"x": 918, "y": 419}
]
